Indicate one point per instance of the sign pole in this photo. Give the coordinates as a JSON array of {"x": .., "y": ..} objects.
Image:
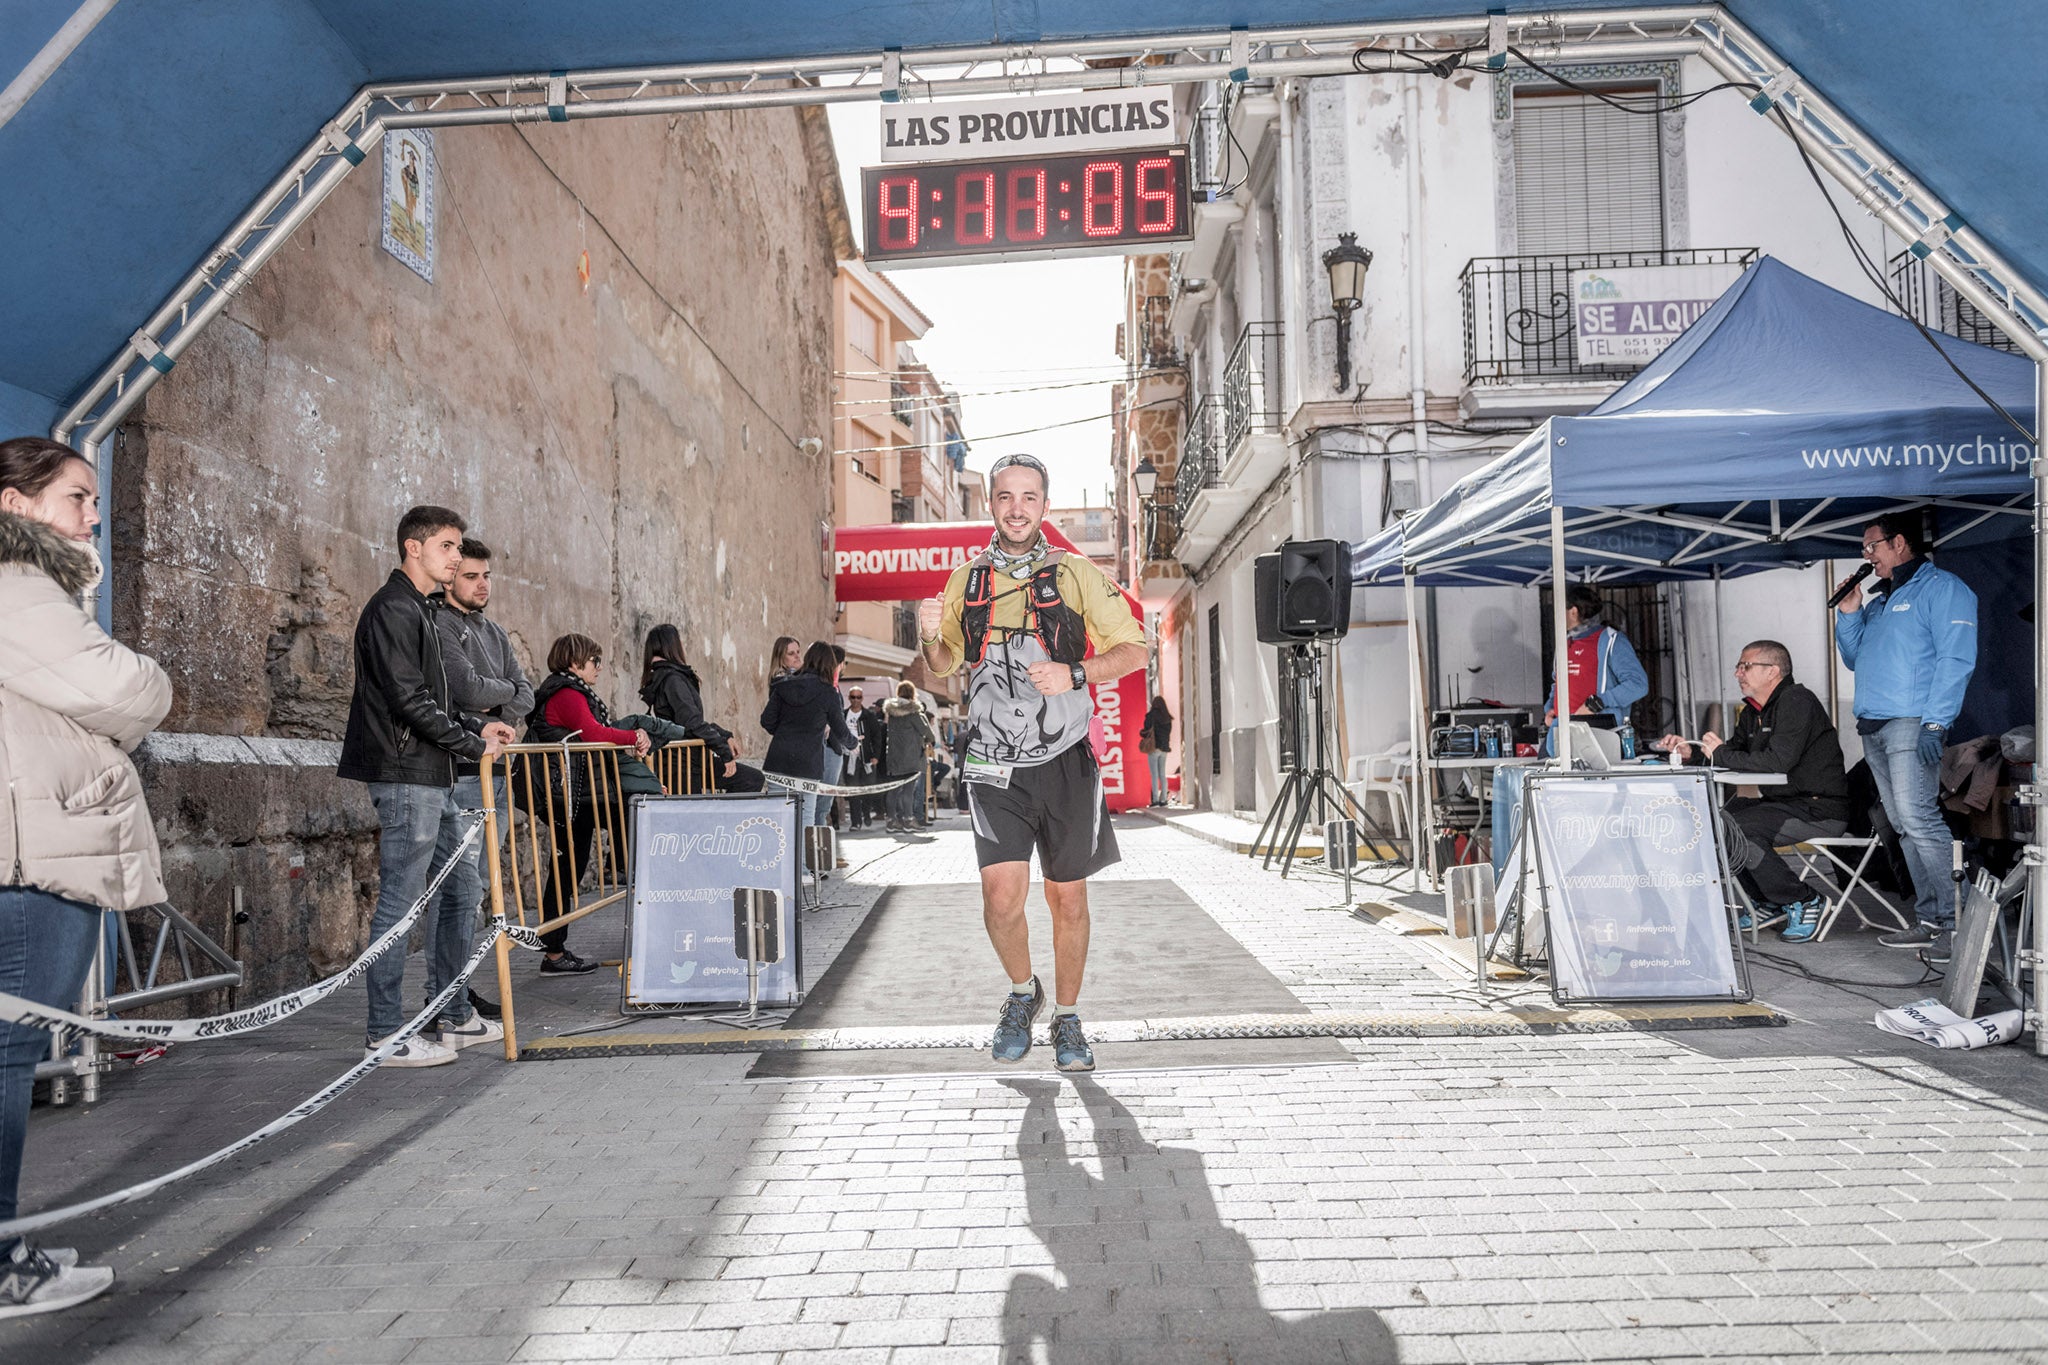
[{"x": 1561, "y": 651}]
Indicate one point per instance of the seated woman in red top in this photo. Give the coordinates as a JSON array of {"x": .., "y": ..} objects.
[{"x": 566, "y": 707}]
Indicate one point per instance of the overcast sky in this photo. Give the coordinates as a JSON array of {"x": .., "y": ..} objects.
[{"x": 1022, "y": 327}]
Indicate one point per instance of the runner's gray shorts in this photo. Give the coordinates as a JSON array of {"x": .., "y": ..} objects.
[{"x": 1057, "y": 808}]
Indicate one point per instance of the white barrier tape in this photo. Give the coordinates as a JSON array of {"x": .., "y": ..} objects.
[
  {"x": 524, "y": 937},
  {"x": 28, "y": 1014},
  {"x": 810, "y": 786},
  {"x": 312, "y": 1105}
]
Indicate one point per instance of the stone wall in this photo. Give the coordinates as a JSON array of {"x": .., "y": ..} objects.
[{"x": 627, "y": 445}]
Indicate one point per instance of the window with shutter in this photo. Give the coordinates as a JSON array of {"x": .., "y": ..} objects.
[{"x": 1588, "y": 176}]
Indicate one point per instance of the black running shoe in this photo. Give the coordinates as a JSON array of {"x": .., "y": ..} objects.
[
  {"x": 484, "y": 1007},
  {"x": 568, "y": 964}
]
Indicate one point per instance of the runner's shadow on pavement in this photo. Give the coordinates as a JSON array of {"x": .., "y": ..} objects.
[{"x": 1145, "y": 1269}]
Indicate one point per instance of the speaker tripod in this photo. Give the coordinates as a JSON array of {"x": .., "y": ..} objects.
[{"x": 1312, "y": 787}]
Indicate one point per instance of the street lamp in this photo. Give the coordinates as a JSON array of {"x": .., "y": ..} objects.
[
  {"x": 1145, "y": 477},
  {"x": 1346, "y": 263}
]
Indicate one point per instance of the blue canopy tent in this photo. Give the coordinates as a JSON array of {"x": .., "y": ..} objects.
[{"x": 1765, "y": 436}]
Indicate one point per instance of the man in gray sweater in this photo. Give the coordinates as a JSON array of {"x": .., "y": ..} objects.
[{"x": 484, "y": 679}]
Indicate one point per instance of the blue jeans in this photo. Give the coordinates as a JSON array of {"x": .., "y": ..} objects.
[
  {"x": 408, "y": 827},
  {"x": 1911, "y": 794},
  {"x": 46, "y": 947},
  {"x": 1156, "y": 760},
  {"x": 450, "y": 929}
]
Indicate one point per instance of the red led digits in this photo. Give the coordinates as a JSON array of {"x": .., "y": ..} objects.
[
  {"x": 1102, "y": 198},
  {"x": 1155, "y": 194},
  {"x": 897, "y": 208},
  {"x": 974, "y": 208},
  {"x": 1024, "y": 221}
]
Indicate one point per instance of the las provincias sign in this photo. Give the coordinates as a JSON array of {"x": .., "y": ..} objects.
[{"x": 1043, "y": 125}]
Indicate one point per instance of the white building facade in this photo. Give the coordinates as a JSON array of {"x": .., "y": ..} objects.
[{"x": 1477, "y": 196}]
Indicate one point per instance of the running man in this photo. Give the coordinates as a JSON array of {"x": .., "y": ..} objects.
[{"x": 1020, "y": 615}]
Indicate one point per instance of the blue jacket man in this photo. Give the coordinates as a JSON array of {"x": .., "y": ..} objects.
[{"x": 1913, "y": 646}]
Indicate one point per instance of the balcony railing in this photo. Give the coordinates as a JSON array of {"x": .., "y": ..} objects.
[
  {"x": 905, "y": 624},
  {"x": 1200, "y": 451},
  {"x": 1519, "y": 320},
  {"x": 1162, "y": 530},
  {"x": 1157, "y": 350},
  {"x": 1251, "y": 399},
  {"x": 1934, "y": 302}
]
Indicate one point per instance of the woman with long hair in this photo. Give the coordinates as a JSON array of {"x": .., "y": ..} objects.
[
  {"x": 1158, "y": 743},
  {"x": 803, "y": 714},
  {"x": 566, "y": 707},
  {"x": 670, "y": 688},
  {"x": 786, "y": 658},
  {"x": 75, "y": 835}
]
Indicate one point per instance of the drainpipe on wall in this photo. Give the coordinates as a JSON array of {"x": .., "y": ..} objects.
[{"x": 1418, "y": 382}]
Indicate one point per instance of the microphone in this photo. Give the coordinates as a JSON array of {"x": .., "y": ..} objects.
[{"x": 1849, "y": 584}]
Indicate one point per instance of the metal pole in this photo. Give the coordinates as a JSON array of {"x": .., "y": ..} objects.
[
  {"x": 2037, "y": 848},
  {"x": 1419, "y": 805},
  {"x": 1720, "y": 701},
  {"x": 1561, "y": 653}
]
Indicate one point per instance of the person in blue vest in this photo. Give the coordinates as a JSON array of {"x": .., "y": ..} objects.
[
  {"x": 1605, "y": 677},
  {"x": 1913, "y": 647}
]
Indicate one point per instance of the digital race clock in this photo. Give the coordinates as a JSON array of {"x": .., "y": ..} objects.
[{"x": 1125, "y": 201}]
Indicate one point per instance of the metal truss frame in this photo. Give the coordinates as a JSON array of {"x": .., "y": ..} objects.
[{"x": 1877, "y": 181}]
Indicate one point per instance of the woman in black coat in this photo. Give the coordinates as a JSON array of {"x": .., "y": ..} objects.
[
  {"x": 1159, "y": 737},
  {"x": 668, "y": 685},
  {"x": 804, "y": 710}
]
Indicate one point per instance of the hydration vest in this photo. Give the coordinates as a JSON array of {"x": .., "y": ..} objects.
[{"x": 1060, "y": 629}]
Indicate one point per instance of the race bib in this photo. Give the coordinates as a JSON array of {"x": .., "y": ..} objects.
[{"x": 974, "y": 769}]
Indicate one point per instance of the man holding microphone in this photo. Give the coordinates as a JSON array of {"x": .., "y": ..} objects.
[{"x": 1913, "y": 646}]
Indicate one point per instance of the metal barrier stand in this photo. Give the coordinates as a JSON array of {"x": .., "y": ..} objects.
[{"x": 683, "y": 767}]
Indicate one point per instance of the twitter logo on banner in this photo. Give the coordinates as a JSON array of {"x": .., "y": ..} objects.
[{"x": 679, "y": 972}]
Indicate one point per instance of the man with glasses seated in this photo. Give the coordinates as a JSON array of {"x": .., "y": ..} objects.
[{"x": 1785, "y": 729}]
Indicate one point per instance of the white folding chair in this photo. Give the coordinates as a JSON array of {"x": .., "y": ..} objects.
[
  {"x": 1845, "y": 858},
  {"x": 1386, "y": 773}
]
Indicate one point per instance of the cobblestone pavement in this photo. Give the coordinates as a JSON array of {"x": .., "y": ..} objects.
[{"x": 1783, "y": 1194}]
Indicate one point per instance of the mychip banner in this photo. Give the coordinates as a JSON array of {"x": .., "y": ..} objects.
[
  {"x": 690, "y": 855},
  {"x": 1633, "y": 887}
]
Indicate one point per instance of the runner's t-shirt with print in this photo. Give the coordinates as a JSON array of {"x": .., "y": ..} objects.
[{"x": 1009, "y": 720}]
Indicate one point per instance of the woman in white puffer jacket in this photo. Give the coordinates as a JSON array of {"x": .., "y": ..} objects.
[{"x": 75, "y": 835}]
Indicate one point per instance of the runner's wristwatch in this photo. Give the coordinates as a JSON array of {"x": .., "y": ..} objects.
[{"x": 1080, "y": 675}]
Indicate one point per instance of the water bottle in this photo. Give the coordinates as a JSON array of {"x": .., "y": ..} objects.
[
  {"x": 1493, "y": 741},
  {"x": 1628, "y": 740}
]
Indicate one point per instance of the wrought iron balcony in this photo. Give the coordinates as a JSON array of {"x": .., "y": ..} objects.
[
  {"x": 1519, "y": 320},
  {"x": 1251, "y": 398},
  {"x": 1200, "y": 451},
  {"x": 1156, "y": 347},
  {"x": 1162, "y": 531},
  {"x": 904, "y": 621},
  {"x": 1936, "y": 305}
]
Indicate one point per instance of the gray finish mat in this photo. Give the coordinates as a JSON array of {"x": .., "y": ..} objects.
[{"x": 923, "y": 958}]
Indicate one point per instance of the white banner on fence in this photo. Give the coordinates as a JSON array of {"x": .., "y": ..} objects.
[
  {"x": 1628, "y": 316},
  {"x": 1632, "y": 884},
  {"x": 690, "y": 856},
  {"x": 1039, "y": 125}
]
